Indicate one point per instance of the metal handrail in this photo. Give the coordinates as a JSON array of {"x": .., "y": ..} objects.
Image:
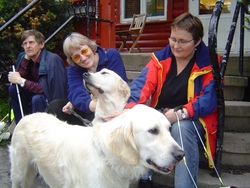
[
  {"x": 60, "y": 28},
  {"x": 212, "y": 45},
  {"x": 25, "y": 9},
  {"x": 219, "y": 69},
  {"x": 239, "y": 9}
]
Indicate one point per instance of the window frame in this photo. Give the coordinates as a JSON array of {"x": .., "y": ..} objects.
[{"x": 143, "y": 7}]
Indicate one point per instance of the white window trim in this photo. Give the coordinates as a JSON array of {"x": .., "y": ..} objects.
[{"x": 142, "y": 10}]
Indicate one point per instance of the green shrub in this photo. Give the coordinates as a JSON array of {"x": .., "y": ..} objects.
[
  {"x": 4, "y": 107},
  {"x": 46, "y": 16}
]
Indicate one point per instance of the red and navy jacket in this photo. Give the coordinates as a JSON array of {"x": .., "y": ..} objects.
[{"x": 201, "y": 92}]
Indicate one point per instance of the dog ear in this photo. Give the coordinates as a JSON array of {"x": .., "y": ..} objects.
[
  {"x": 123, "y": 89},
  {"x": 122, "y": 143}
]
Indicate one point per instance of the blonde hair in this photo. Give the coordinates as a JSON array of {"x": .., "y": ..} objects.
[{"x": 75, "y": 41}]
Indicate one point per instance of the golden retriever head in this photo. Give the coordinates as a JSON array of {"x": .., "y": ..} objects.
[
  {"x": 108, "y": 89},
  {"x": 142, "y": 136},
  {"x": 106, "y": 82}
]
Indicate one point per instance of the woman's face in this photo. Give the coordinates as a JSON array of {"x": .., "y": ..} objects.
[
  {"x": 83, "y": 57},
  {"x": 182, "y": 44}
]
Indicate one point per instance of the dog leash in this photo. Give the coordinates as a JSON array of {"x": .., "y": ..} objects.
[
  {"x": 184, "y": 158},
  {"x": 85, "y": 122},
  {"x": 203, "y": 145}
]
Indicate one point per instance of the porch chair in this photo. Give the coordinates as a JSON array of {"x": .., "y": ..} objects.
[{"x": 136, "y": 28}]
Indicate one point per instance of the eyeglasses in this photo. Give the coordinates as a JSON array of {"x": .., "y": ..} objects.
[
  {"x": 31, "y": 43},
  {"x": 179, "y": 42},
  {"x": 82, "y": 52}
]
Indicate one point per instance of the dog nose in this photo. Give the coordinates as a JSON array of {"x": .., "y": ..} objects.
[
  {"x": 85, "y": 75},
  {"x": 179, "y": 154}
]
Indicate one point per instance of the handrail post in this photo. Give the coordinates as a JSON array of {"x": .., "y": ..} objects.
[
  {"x": 212, "y": 45},
  {"x": 241, "y": 55},
  {"x": 230, "y": 39}
]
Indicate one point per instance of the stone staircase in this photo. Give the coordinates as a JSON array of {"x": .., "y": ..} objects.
[{"x": 236, "y": 144}]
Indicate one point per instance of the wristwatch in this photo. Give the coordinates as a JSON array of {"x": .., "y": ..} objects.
[
  {"x": 183, "y": 114},
  {"x": 22, "y": 83}
]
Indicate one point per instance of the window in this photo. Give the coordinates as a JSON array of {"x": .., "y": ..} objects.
[
  {"x": 207, "y": 6},
  {"x": 156, "y": 9}
]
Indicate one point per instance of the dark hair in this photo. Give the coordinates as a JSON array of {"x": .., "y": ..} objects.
[
  {"x": 37, "y": 34},
  {"x": 189, "y": 23}
]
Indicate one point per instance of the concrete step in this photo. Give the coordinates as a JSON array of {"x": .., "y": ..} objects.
[
  {"x": 236, "y": 151},
  {"x": 234, "y": 88},
  {"x": 234, "y": 85},
  {"x": 134, "y": 60},
  {"x": 206, "y": 180},
  {"x": 237, "y": 116}
]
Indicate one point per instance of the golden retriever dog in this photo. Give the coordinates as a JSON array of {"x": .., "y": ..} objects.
[
  {"x": 109, "y": 90},
  {"x": 107, "y": 155}
]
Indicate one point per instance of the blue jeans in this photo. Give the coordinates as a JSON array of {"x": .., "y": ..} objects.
[
  {"x": 31, "y": 102},
  {"x": 191, "y": 143}
]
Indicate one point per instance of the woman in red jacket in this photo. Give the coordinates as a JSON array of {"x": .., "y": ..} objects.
[{"x": 181, "y": 75}]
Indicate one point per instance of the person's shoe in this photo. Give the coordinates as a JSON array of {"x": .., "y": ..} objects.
[{"x": 145, "y": 183}]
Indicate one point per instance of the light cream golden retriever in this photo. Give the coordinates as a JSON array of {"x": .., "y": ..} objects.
[
  {"x": 109, "y": 90},
  {"x": 107, "y": 155}
]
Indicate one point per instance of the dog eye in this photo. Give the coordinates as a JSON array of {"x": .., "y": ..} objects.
[
  {"x": 154, "y": 131},
  {"x": 104, "y": 73}
]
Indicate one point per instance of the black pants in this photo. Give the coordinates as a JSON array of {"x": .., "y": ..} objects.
[{"x": 55, "y": 108}]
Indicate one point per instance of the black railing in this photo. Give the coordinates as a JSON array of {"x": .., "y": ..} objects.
[
  {"x": 240, "y": 8},
  {"x": 87, "y": 10},
  {"x": 212, "y": 45},
  {"x": 219, "y": 69}
]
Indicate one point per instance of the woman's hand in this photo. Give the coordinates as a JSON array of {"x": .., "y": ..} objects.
[
  {"x": 65, "y": 108},
  {"x": 171, "y": 116},
  {"x": 92, "y": 106},
  {"x": 111, "y": 116}
]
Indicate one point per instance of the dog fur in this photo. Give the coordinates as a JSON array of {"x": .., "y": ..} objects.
[
  {"x": 107, "y": 155},
  {"x": 109, "y": 91}
]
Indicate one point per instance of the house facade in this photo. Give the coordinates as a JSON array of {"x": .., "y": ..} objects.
[{"x": 160, "y": 15}]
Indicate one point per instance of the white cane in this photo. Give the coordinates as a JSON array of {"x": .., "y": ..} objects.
[{"x": 18, "y": 94}]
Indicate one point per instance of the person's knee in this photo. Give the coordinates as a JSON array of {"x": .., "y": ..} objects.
[
  {"x": 38, "y": 99},
  {"x": 38, "y": 103}
]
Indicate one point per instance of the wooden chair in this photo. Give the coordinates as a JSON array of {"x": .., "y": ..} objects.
[{"x": 135, "y": 29}]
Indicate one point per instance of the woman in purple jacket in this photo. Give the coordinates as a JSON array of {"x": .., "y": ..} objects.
[{"x": 83, "y": 55}]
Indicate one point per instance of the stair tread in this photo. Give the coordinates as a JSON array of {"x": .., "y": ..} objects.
[
  {"x": 205, "y": 180},
  {"x": 236, "y": 142},
  {"x": 237, "y": 103}
]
